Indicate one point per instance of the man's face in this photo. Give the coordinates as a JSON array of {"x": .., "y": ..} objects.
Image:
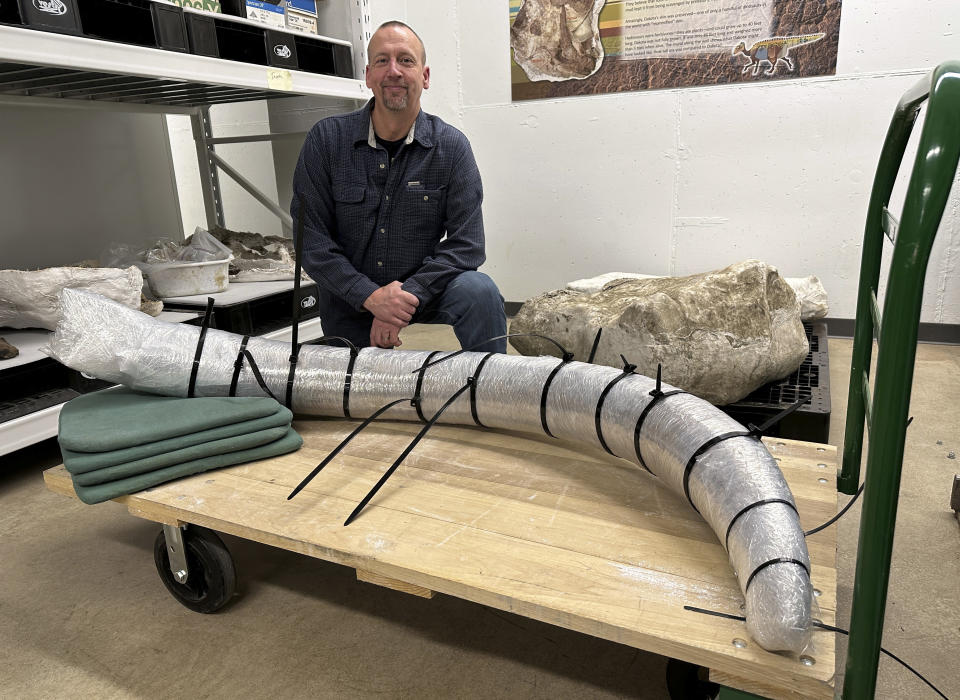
[{"x": 396, "y": 72}]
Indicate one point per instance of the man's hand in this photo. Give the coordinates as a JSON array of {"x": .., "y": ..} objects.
[
  {"x": 392, "y": 305},
  {"x": 384, "y": 335}
]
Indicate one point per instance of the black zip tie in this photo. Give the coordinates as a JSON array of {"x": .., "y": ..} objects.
[
  {"x": 237, "y": 366},
  {"x": 628, "y": 369},
  {"x": 565, "y": 360},
  {"x": 757, "y": 432},
  {"x": 836, "y": 517},
  {"x": 403, "y": 456},
  {"x": 691, "y": 463},
  {"x": 658, "y": 396},
  {"x": 207, "y": 316},
  {"x": 843, "y": 510},
  {"x": 348, "y": 379},
  {"x": 297, "y": 266},
  {"x": 744, "y": 511},
  {"x": 828, "y": 628},
  {"x": 325, "y": 340},
  {"x": 416, "y": 400},
  {"x": 490, "y": 340},
  {"x": 257, "y": 375},
  {"x": 778, "y": 560},
  {"x": 295, "y": 352},
  {"x": 596, "y": 344},
  {"x": 343, "y": 443},
  {"x": 473, "y": 388}
]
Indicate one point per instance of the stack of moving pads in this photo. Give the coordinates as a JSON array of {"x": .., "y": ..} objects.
[{"x": 119, "y": 442}]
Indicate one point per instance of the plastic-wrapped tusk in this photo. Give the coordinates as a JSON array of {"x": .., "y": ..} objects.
[{"x": 697, "y": 450}]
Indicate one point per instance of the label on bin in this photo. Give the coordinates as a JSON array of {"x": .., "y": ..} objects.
[
  {"x": 279, "y": 79},
  {"x": 265, "y": 12}
]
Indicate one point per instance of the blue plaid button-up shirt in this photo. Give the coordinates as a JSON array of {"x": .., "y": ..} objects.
[{"x": 370, "y": 220}]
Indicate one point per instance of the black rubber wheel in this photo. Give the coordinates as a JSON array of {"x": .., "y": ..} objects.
[
  {"x": 212, "y": 578},
  {"x": 686, "y": 681}
]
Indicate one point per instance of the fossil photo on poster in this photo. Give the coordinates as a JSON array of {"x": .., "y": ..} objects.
[{"x": 562, "y": 48}]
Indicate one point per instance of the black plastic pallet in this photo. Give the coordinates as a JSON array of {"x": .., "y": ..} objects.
[
  {"x": 811, "y": 383},
  {"x": 257, "y": 316}
]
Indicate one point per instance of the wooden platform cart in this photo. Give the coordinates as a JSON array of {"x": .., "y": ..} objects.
[
  {"x": 573, "y": 537},
  {"x": 553, "y": 531}
]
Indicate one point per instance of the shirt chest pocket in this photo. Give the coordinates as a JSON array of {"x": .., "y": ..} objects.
[
  {"x": 422, "y": 214},
  {"x": 348, "y": 200}
]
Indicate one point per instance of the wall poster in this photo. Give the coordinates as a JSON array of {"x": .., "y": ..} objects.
[{"x": 561, "y": 48}]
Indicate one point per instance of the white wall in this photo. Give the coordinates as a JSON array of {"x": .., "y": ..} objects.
[
  {"x": 687, "y": 180},
  {"x": 74, "y": 181}
]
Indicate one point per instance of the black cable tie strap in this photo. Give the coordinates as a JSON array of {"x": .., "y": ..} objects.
[
  {"x": 490, "y": 340},
  {"x": 747, "y": 509},
  {"x": 779, "y": 560},
  {"x": 348, "y": 379},
  {"x": 343, "y": 443},
  {"x": 207, "y": 316},
  {"x": 325, "y": 340},
  {"x": 700, "y": 450},
  {"x": 257, "y": 375},
  {"x": 565, "y": 360},
  {"x": 473, "y": 388},
  {"x": 658, "y": 396},
  {"x": 596, "y": 344},
  {"x": 757, "y": 432},
  {"x": 416, "y": 400},
  {"x": 403, "y": 455},
  {"x": 237, "y": 366},
  {"x": 293, "y": 369},
  {"x": 628, "y": 369}
]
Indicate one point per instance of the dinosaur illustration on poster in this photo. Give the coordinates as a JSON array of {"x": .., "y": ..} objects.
[{"x": 773, "y": 50}]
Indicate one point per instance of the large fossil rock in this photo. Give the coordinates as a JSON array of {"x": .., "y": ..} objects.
[
  {"x": 719, "y": 335},
  {"x": 557, "y": 39},
  {"x": 809, "y": 290}
]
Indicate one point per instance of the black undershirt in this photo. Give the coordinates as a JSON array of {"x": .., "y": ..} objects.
[{"x": 391, "y": 146}]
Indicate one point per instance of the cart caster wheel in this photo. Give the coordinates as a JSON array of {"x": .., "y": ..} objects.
[
  {"x": 212, "y": 578},
  {"x": 686, "y": 681}
]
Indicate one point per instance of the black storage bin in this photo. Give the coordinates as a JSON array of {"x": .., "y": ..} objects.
[
  {"x": 49, "y": 15},
  {"x": 281, "y": 49},
  {"x": 139, "y": 22},
  {"x": 811, "y": 382},
  {"x": 343, "y": 60},
  {"x": 241, "y": 42},
  {"x": 41, "y": 384},
  {"x": 315, "y": 55},
  {"x": 202, "y": 33}
]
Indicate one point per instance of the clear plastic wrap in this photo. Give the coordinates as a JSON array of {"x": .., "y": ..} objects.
[{"x": 726, "y": 483}]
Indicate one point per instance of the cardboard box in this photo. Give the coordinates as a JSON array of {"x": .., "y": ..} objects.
[
  {"x": 268, "y": 13},
  {"x": 301, "y": 21},
  {"x": 207, "y": 5}
]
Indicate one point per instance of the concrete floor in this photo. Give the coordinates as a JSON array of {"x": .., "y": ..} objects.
[{"x": 84, "y": 614}]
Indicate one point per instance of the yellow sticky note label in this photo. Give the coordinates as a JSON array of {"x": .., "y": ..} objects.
[{"x": 279, "y": 79}]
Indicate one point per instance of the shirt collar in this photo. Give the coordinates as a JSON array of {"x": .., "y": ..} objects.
[{"x": 421, "y": 131}]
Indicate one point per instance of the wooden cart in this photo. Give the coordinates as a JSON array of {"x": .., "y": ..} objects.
[{"x": 553, "y": 531}]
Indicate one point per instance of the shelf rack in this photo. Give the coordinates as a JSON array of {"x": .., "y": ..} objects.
[{"x": 50, "y": 70}]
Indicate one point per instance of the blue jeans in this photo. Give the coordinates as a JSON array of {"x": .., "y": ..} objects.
[{"x": 471, "y": 303}]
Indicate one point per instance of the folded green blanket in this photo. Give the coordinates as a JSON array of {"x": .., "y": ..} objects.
[
  {"x": 122, "y": 418},
  {"x": 163, "y": 453},
  {"x": 121, "y": 487},
  {"x": 175, "y": 457}
]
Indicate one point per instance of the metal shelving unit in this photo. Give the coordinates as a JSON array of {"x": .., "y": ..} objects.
[{"x": 70, "y": 72}]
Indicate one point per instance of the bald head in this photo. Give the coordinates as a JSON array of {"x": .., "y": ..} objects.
[{"x": 403, "y": 27}]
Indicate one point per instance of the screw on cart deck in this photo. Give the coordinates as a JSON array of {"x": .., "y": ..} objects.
[{"x": 547, "y": 529}]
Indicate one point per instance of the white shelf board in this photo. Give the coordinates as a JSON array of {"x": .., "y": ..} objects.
[
  {"x": 238, "y": 292},
  {"x": 28, "y": 341},
  {"x": 29, "y": 429},
  {"x": 309, "y": 330},
  {"x": 76, "y": 57}
]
